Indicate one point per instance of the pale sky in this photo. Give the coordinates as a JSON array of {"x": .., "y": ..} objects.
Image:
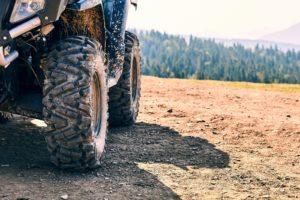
[{"x": 216, "y": 18}]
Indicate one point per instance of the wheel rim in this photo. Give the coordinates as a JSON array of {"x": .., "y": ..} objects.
[
  {"x": 134, "y": 81},
  {"x": 96, "y": 106}
]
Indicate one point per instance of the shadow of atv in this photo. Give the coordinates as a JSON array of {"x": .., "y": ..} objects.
[{"x": 24, "y": 161}]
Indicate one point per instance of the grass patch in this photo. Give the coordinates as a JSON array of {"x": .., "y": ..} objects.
[
  {"x": 257, "y": 86},
  {"x": 244, "y": 85},
  {"x": 268, "y": 87}
]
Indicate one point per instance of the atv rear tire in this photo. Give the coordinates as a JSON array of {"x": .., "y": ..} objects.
[
  {"x": 76, "y": 103},
  {"x": 4, "y": 117},
  {"x": 124, "y": 97}
]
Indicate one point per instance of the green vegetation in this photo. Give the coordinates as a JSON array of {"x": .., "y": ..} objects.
[{"x": 170, "y": 56}]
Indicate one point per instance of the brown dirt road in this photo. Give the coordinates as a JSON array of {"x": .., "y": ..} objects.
[{"x": 194, "y": 140}]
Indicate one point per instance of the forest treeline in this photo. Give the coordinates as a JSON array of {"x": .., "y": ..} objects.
[{"x": 171, "y": 56}]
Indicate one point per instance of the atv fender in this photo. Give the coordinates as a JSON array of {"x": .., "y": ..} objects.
[{"x": 90, "y": 9}]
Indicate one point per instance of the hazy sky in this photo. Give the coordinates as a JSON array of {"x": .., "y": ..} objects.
[{"x": 216, "y": 18}]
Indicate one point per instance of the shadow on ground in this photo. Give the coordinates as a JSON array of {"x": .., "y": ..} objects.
[{"x": 25, "y": 171}]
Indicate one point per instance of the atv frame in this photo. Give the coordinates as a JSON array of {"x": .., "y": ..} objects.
[{"x": 30, "y": 105}]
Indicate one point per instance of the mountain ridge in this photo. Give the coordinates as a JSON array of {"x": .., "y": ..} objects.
[{"x": 289, "y": 35}]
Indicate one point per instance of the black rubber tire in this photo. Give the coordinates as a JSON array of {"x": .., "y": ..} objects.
[
  {"x": 75, "y": 75},
  {"x": 125, "y": 96},
  {"x": 4, "y": 117}
]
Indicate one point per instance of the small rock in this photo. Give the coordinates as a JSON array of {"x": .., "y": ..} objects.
[
  {"x": 289, "y": 116},
  {"x": 20, "y": 175},
  {"x": 64, "y": 197},
  {"x": 200, "y": 120},
  {"x": 266, "y": 196},
  {"x": 282, "y": 185},
  {"x": 207, "y": 125},
  {"x": 170, "y": 110}
]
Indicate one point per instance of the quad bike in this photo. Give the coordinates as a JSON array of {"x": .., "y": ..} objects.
[{"x": 61, "y": 61}]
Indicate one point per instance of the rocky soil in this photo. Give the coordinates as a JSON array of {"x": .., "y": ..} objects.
[{"x": 193, "y": 140}]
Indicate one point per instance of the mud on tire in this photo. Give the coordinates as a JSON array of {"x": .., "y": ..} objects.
[
  {"x": 125, "y": 96},
  {"x": 75, "y": 103}
]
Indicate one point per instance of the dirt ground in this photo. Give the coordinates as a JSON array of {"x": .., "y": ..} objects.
[{"x": 193, "y": 140}]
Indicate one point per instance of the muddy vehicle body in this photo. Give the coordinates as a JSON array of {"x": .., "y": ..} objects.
[{"x": 61, "y": 61}]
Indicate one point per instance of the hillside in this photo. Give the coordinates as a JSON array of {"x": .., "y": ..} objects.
[
  {"x": 193, "y": 140},
  {"x": 171, "y": 56},
  {"x": 290, "y": 35}
]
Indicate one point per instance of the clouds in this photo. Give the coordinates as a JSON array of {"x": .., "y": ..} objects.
[{"x": 216, "y": 18}]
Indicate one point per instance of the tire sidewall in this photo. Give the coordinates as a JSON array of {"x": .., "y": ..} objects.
[
  {"x": 135, "y": 57},
  {"x": 101, "y": 138}
]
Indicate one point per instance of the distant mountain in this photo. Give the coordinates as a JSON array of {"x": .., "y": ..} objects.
[
  {"x": 251, "y": 44},
  {"x": 265, "y": 43},
  {"x": 290, "y": 35}
]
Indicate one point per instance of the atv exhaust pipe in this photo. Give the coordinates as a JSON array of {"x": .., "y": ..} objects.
[{"x": 5, "y": 60}]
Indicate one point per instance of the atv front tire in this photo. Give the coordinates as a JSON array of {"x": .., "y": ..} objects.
[
  {"x": 125, "y": 96},
  {"x": 76, "y": 103}
]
